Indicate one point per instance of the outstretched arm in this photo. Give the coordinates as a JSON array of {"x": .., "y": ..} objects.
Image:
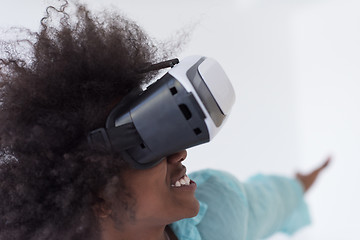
[{"x": 276, "y": 203}]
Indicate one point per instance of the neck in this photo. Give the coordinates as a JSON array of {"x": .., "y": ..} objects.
[{"x": 132, "y": 232}]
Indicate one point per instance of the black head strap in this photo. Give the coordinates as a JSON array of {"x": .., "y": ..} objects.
[
  {"x": 123, "y": 137},
  {"x": 157, "y": 66}
]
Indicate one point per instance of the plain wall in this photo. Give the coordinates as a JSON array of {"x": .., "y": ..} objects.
[{"x": 294, "y": 65}]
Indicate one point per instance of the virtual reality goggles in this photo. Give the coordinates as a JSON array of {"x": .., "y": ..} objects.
[{"x": 184, "y": 108}]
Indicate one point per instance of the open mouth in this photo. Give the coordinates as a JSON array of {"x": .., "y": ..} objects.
[{"x": 183, "y": 181}]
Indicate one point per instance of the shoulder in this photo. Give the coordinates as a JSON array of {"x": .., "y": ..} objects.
[
  {"x": 225, "y": 199},
  {"x": 212, "y": 175},
  {"x": 213, "y": 184}
]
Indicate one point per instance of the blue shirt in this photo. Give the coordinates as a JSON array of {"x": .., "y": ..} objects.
[{"x": 252, "y": 210}]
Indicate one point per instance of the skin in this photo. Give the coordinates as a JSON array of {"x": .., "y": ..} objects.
[
  {"x": 158, "y": 203},
  {"x": 309, "y": 179}
]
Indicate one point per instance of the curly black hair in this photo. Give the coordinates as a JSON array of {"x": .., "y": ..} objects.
[{"x": 50, "y": 179}]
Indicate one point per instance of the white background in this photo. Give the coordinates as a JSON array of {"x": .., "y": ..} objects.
[{"x": 295, "y": 67}]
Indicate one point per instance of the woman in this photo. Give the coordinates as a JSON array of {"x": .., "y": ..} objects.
[{"x": 53, "y": 185}]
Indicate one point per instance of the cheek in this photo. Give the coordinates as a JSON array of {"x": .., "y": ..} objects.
[
  {"x": 151, "y": 201},
  {"x": 151, "y": 191},
  {"x": 153, "y": 186}
]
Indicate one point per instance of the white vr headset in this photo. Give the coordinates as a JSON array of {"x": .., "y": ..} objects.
[{"x": 184, "y": 108}]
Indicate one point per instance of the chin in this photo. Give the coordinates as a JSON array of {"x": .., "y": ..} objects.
[
  {"x": 193, "y": 210},
  {"x": 197, "y": 208}
]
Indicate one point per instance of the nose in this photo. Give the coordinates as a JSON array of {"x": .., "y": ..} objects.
[{"x": 177, "y": 157}]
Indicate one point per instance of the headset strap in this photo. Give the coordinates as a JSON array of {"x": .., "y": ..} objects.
[{"x": 116, "y": 138}]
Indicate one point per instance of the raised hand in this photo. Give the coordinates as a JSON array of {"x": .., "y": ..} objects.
[{"x": 308, "y": 180}]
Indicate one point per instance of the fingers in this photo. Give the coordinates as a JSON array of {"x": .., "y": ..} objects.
[
  {"x": 308, "y": 180},
  {"x": 324, "y": 165}
]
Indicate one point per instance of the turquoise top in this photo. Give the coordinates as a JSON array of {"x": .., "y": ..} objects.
[{"x": 252, "y": 210}]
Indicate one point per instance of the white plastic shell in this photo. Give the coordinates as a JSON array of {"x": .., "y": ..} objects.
[{"x": 217, "y": 82}]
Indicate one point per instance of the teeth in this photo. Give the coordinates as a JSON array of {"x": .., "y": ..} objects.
[{"x": 185, "y": 180}]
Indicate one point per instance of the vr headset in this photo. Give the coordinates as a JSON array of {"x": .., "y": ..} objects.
[{"x": 184, "y": 108}]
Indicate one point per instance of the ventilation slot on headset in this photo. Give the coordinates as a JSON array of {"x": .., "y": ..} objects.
[
  {"x": 142, "y": 145},
  {"x": 197, "y": 131},
  {"x": 173, "y": 90},
  {"x": 185, "y": 110}
]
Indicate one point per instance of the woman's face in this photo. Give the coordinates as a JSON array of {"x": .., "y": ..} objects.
[{"x": 162, "y": 194}]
